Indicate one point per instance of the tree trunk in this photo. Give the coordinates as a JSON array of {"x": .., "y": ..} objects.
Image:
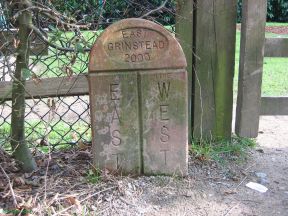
[{"x": 20, "y": 148}]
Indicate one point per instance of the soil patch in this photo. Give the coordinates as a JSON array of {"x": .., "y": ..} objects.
[{"x": 66, "y": 184}]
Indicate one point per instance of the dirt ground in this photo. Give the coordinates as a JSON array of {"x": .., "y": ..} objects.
[{"x": 61, "y": 185}]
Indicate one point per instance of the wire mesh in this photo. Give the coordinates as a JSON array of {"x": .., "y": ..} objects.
[{"x": 65, "y": 120}]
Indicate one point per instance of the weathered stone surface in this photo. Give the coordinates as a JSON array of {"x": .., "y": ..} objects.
[
  {"x": 136, "y": 123},
  {"x": 136, "y": 44},
  {"x": 115, "y": 127},
  {"x": 165, "y": 121}
]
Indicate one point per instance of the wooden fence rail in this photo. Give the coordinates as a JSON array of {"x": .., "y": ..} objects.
[
  {"x": 274, "y": 106},
  {"x": 49, "y": 87},
  {"x": 276, "y": 47}
]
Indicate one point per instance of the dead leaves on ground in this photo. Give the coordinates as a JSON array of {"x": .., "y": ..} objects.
[{"x": 69, "y": 164}]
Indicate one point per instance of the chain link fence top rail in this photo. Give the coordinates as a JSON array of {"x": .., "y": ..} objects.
[{"x": 59, "y": 122}]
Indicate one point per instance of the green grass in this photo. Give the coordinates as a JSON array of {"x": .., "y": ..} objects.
[
  {"x": 93, "y": 176},
  {"x": 58, "y": 133},
  {"x": 222, "y": 151},
  {"x": 275, "y": 74},
  {"x": 276, "y": 24}
]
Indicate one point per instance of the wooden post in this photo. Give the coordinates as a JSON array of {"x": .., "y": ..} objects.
[
  {"x": 214, "y": 68},
  {"x": 251, "y": 67},
  {"x": 184, "y": 32}
]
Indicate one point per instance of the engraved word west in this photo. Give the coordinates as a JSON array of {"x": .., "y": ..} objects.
[
  {"x": 164, "y": 88},
  {"x": 140, "y": 125}
]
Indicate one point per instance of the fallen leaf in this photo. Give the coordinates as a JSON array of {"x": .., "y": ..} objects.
[
  {"x": 82, "y": 145},
  {"x": 18, "y": 181},
  {"x": 229, "y": 192}
]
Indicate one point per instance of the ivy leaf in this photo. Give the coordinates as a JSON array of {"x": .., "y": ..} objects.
[
  {"x": 26, "y": 73},
  {"x": 79, "y": 48}
]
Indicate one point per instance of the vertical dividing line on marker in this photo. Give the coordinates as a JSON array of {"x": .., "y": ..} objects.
[{"x": 140, "y": 122}]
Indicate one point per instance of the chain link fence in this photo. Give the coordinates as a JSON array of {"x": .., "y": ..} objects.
[{"x": 62, "y": 121}]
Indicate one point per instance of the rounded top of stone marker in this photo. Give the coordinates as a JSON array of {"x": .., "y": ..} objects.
[{"x": 136, "y": 44}]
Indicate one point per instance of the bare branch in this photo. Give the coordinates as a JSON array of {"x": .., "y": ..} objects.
[
  {"x": 52, "y": 14},
  {"x": 45, "y": 39},
  {"x": 155, "y": 10}
]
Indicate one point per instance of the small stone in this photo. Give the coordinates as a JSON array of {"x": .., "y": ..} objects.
[
  {"x": 189, "y": 194},
  {"x": 260, "y": 150},
  {"x": 129, "y": 185},
  {"x": 262, "y": 178},
  {"x": 261, "y": 175},
  {"x": 263, "y": 181}
]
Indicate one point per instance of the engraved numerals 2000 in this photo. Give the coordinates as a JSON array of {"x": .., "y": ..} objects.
[{"x": 137, "y": 57}]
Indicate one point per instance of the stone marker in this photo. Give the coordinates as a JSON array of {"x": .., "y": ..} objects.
[
  {"x": 138, "y": 96},
  {"x": 164, "y": 114}
]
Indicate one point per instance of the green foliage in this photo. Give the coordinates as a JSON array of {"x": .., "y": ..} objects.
[
  {"x": 222, "y": 150},
  {"x": 26, "y": 73},
  {"x": 277, "y": 11},
  {"x": 15, "y": 212},
  {"x": 92, "y": 11},
  {"x": 94, "y": 176}
]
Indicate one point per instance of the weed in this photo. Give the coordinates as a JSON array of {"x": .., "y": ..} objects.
[
  {"x": 15, "y": 212},
  {"x": 223, "y": 150},
  {"x": 93, "y": 176}
]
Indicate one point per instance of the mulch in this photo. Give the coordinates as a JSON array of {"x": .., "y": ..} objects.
[
  {"x": 59, "y": 185},
  {"x": 273, "y": 29},
  {"x": 277, "y": 29}
]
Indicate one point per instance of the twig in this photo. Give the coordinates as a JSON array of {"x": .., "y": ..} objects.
[
  {"x": 241, "y": 183},
  {"x": 154, "y": 10},
  {"x": 250, "y": 167},
  {"x": 127, "y": 202},
  {"x": 230, "y": 210},
  {"x": 46, "y": 173},
  {"x": 88, "y": 197},
  {"x": 43, "y": 37},
  {"x": 10, "y": 187}
]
